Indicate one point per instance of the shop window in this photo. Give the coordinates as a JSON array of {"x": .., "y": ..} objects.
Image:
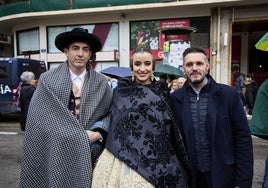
[
  {"x": 170, "y": 46},
  {"x": 108, "y": 33},
  {"x": 28, "y": 42}
]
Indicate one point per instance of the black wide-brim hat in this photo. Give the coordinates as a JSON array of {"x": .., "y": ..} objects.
[{"x": 64, "y": 40}]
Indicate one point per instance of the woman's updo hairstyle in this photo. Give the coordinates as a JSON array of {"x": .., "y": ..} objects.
[{"x": 140, "y": 49}]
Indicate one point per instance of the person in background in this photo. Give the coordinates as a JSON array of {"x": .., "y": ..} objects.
[
  {"x": 36, "y": 82},
  {"x": 68, "y": 114},
  {"x": 251, "y": 90},
  {"x": 239, "y": 82},
  {"x": 215, "y": 127},
  {"x": 163, "y": 78},
  {"x": 173, "y": 85},
  {"x": 259, "y": 121},
  {"x": 26, "y": 92},
  {"x": 181, "y": 81},
  {"x": 144, "y": 146}
]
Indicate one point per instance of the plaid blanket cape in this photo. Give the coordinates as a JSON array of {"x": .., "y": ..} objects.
[{"x": 56, "y": 150}]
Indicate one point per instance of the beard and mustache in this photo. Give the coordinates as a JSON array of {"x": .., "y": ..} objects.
[{"x": 197, "y": 81}]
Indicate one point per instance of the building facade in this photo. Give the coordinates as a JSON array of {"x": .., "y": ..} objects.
[{"x": 227, "y": 29}]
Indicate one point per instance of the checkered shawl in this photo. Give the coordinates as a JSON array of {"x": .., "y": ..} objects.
[{"x": 56, "y": 150}]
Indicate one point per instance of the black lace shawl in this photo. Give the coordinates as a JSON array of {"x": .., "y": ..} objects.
[{"x": 141, "y": 132}]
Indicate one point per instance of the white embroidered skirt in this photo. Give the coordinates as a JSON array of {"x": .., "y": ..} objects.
[{"x": 110, "y": 172}]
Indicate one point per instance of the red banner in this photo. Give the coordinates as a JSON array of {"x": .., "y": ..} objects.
[{"x": 169, "y": 24}]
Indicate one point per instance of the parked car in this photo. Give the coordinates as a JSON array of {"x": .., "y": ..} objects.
[{"x": 10, "y": 72}]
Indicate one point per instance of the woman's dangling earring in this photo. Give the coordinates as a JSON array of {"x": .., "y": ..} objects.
[
  {"x": 132, "y": 77},
  {"x": 152, "y": 77}
]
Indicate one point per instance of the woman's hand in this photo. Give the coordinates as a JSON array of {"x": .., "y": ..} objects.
[{"x": 93, "y": 136}]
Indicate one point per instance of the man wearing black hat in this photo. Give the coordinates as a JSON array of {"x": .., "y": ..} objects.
[{"x": 68, "y": 117}]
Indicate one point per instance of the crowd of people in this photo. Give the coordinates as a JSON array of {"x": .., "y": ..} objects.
[
  {"x": 83, "y": 132},
  {"x": 176, "y": 84}
]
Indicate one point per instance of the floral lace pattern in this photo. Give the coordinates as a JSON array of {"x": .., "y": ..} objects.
[{"x": 140, "y": 133}]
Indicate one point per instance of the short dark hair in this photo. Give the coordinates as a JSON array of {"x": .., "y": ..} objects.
[{"x": 194, "y": 50}]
